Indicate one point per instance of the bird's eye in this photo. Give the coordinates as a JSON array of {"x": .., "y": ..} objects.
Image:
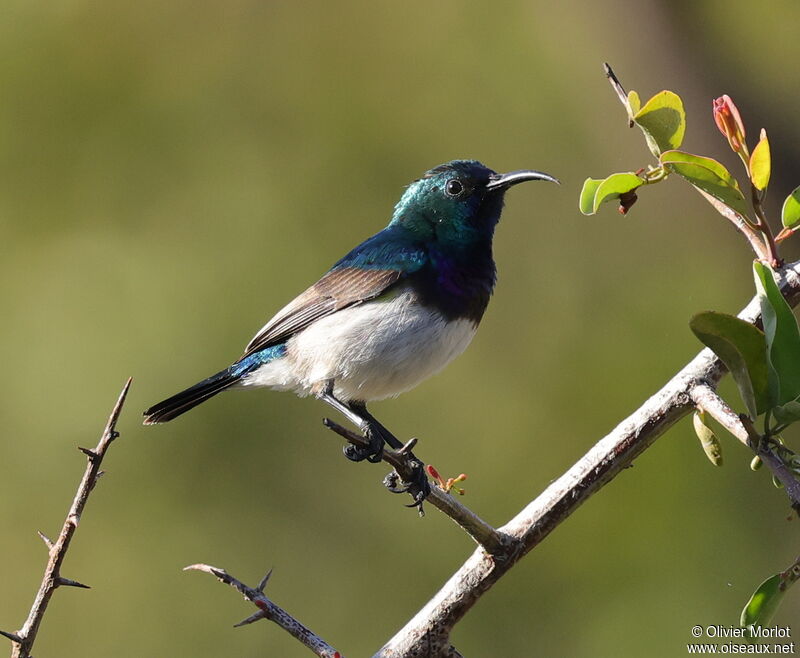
[{"x": 453, "y": 187}]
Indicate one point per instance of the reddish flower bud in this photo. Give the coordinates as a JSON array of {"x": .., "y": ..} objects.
[
  {"x": 435, "y": 475},
  {"x": 729, "y": 122}
]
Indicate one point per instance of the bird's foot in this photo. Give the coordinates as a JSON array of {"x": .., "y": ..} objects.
[
  {"x": 414, "y": 480},
  {"x": 417, "y": 486},
  {"x": 373, "y": 453}
]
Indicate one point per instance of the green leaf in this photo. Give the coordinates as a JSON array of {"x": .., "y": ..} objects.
[
  {"x": 782, "y": 336},
  {"x": 790, "y": 214},
  {"x": 761, "y": 163},
  {"x": 788, "y": 413},
  {"x": 708, "y": 440},
  {"x": 634, "y": 104},
  {"x": 717, "y": 168},
  {"x": 763, "y": 604},
  {"x": 663, "y": 122},
  {"x": 614, "y": 186},
  {"x": 742, "y": 348},
  {"x": 586, "y": 203},
  {"x": 708, "y": 175}
]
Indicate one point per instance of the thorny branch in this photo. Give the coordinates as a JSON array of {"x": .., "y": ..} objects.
[
  {"x": 24, "y": 638},
  {"x": 268, "y": 610}
]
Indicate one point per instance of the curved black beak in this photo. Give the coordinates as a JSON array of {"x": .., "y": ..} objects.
[{"x": 504, "y": 181}]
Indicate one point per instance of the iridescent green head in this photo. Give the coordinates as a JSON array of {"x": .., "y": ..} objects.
[{"x": 458, "y": 202}]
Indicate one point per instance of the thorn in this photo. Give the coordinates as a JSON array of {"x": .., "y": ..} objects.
[
  {"x": 12, "y": 636},
  {"x": 408, "y": 447},
  {"x": 91, "y": 454},
  {"x": 47, "y": 541},
  {"x": 97, "y": 477},
  {"x": 263, "y": 583},
  {"x": 261, "y": 614},
  {"x": 66, "y": 582}
]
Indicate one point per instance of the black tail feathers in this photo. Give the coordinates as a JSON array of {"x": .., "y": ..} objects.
[{"x": 181, "y": 402}]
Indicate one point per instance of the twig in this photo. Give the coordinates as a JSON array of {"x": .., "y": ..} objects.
[
  {"x": 269, "y": 610},
  {"x": 706, "y": 398},
  {"x": 761, "y": 250},
  {"x": 428, "y": 632},
  {"x": 619, "y": 90},
  {"x": 757, "y": 196},
  {"x": 493, "y": 541},
  {"x": 24, "y": 638}
]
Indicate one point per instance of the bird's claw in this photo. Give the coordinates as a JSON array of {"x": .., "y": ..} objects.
[
  {"x": 377, "y": 457},
  {"x": 418, "y": 487},
  {"x": 394, "y": 483},
  {"x": 419, "y": 498},
  {"x": 417, "y": 484},
  {"x": 372, "y": 453}
]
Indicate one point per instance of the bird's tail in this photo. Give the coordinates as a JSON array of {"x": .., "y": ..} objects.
[{"x": 181, "y": 402}]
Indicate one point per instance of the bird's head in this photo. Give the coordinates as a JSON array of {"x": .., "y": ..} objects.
[{"x": 458, "y": 202}]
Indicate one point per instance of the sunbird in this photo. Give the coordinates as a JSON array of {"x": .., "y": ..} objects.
[{"x": 391, "y": 313}]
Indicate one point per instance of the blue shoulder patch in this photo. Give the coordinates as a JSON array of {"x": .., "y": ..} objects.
[{"x": 391, "y": 249}]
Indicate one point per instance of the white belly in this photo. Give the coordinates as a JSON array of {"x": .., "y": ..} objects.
[{"x": 372, "y": 351}]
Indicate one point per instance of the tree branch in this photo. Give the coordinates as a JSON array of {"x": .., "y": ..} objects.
[
  {"x": 23, "y": 639},
  {"x": 268, "y": 610},
  {"x": 428, "y": 632}
]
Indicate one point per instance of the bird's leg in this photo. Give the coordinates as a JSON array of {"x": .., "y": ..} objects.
[
  {"x": 360, "y": 408},
  {"x": 374, "y": 431},
  {"x": 418, "y": 486},
  {"x": 356, "y": 412}
]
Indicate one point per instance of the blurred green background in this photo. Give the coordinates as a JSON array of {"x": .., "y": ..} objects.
[{"x": 173, "y": 173}]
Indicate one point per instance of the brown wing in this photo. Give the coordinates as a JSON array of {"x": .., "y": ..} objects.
[{"x": 338, "y": 289}]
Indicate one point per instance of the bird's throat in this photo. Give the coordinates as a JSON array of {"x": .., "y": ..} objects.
[{"x": 458, "y": 285}]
